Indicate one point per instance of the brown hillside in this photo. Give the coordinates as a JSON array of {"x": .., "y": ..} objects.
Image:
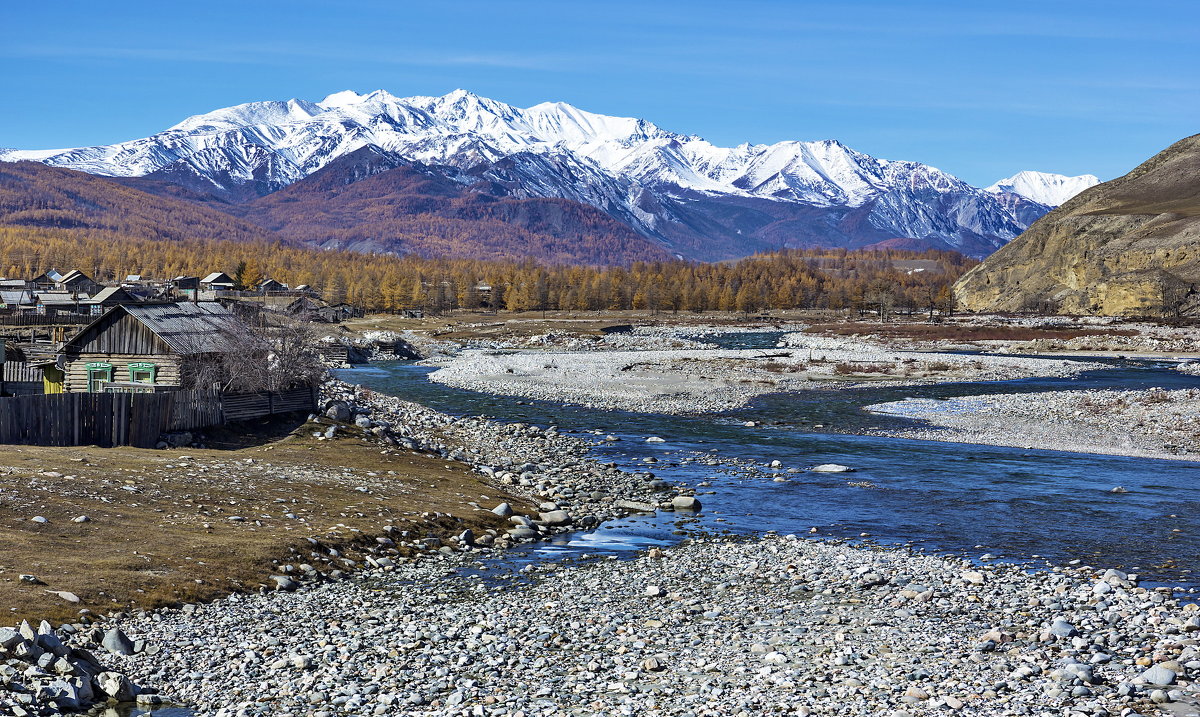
[
  {"x": 368, "y": 203},
  {"x": 1129, "y": 246},
  {"x": 34, "y": 195}
]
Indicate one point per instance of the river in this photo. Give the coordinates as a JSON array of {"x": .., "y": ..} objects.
[{"x": 1029, "y": 506}]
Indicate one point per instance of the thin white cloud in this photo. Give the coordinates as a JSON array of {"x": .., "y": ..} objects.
[{"x": 284, "y": 56}]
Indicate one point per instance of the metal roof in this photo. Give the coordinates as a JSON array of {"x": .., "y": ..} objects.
[
  {"x": 215, "y": 276},
  {"x": 63, "y": 298},
  {"x": 192, "y": 328},
  {"x": 186, "y": 328},
  {"x": 105, "y": 294},
  {"x": 16, "y": 297},
  {"x": 72, "y": 275}
]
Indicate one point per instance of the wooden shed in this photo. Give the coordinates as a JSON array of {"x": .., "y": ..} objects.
[{"x": 149, "y": 347}]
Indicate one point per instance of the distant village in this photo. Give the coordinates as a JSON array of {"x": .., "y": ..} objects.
[
  {"x": 74, "y": 297},
  {"x": 66, "y": 333}
]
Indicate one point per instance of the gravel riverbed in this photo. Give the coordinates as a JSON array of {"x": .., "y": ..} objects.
[
  {"x": 711, "y": 627},
  {"x": 1151, "y": 424},
  {"x": 693, "y": 381}
]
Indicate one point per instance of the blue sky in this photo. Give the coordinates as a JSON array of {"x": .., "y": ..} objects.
[{"x": 978, "y": 89}]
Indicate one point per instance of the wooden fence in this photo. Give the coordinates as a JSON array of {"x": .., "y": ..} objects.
[
  {"x": 32, "y": 319},
  {"x": 133, "y": 419}
]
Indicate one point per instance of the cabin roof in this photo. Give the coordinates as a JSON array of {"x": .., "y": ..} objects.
[
  {"x": 23, "y": 296},
  {"x": 186, "y": 328},
  {"x": 108, "y": 292},
  {"x": 61, "y": 297},
  {"x": 73, "y": 275},
  {"x": 218, "y": 277}
]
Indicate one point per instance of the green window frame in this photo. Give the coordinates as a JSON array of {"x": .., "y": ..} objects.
[
  {"x": 98, "y": 372},
  {"x": 143, "y": 372}
]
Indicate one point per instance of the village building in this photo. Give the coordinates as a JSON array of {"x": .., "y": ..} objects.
[
  {"x": 186, "y": 286},
  {"x": 53, "y": 302},
  {"x": 46, "y": 280},
  {"x": 151, "y": 347},
  {"x": 16, "y": 300},
  {"x": 109, "y": 297},
  {"x": 218, "y": 281},
  {"x": 270, "y": 285},
  {"x": 76, "y": 282}
]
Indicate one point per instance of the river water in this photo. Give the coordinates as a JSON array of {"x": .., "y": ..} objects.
[{"x": 1028, "y": 506}]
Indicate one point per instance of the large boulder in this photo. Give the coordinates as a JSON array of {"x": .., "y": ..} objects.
[
  {"x": 339, "y": 411},
  {"x": 831, "y": 468}
]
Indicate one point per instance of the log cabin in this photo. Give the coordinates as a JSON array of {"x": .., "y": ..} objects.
[{"x": 151, "y": 347}]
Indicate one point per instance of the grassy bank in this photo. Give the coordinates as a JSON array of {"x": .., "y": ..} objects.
[{"x": 165, "y": 527}]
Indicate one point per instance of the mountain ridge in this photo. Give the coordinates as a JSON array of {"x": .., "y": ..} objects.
[{"x": 693, "y": 198}]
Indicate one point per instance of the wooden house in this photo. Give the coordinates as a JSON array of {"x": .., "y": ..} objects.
[
  {"x": 16, "y": 301},
  {"x": 108, "y": 297},
  {"x": 76, "y": 282},
  {"x": 149, "y": 347},
  {"x": 46, "y": 280},
  {"x": 218, "y": 281},
  {"x": 54, "y": 302},
  {"x": 184, "y": 286},
  {"x": 270, "y": 286}
]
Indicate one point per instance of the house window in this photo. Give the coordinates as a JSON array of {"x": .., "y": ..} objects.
[
  {"x": 143, "y": 372},
  {"x": 98, "y": 374}
]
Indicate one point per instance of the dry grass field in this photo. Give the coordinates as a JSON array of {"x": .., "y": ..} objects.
[{"x": 175, "y": 526}]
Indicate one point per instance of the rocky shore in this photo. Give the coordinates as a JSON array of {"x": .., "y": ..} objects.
[
  {"x": 690, "y": 381},
  {"x": 1189, "y": 367},
  {"x": 548, "y": 467},
  {"x": 1150, "y": 424},
  {"x": 713, "y": 627}
]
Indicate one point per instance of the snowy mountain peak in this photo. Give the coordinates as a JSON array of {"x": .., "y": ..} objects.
[
  {"x": 341, "y": 99},
  {"x": 651, "y": 178},
  {"x": 1044, "y": 187}
]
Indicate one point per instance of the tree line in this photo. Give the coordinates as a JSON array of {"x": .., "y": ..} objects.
[{"x": 879, "y": 281}]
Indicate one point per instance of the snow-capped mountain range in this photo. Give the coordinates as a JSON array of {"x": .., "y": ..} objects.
[{"x": 697, "y": 199}]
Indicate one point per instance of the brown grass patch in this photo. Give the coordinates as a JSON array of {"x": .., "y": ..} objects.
[
  {"x": 162, "y": 536},
  {"x": 845, "y": 369}
]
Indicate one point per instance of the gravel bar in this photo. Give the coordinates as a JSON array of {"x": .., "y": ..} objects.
[{"x": 1149, "y": 424}]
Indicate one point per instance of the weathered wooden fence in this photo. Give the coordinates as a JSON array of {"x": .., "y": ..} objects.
[
  {"x": 243, "y": 406},
  {"x": 133, "y": 419},
  {"x": 32, "y": 319},
  {"x": 19, "y": 378}
]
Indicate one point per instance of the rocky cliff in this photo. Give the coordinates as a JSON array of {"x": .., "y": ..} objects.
[{"x": 1126, "y": 247}]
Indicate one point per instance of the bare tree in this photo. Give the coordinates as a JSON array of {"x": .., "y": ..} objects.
[{"x": 252, "y": 357}]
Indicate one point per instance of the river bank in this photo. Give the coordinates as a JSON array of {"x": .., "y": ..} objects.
[
  {"x": 710, "y": 627},
  {"x": 1148, "y": 424},
  {"x": 371, "y": 483}
]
